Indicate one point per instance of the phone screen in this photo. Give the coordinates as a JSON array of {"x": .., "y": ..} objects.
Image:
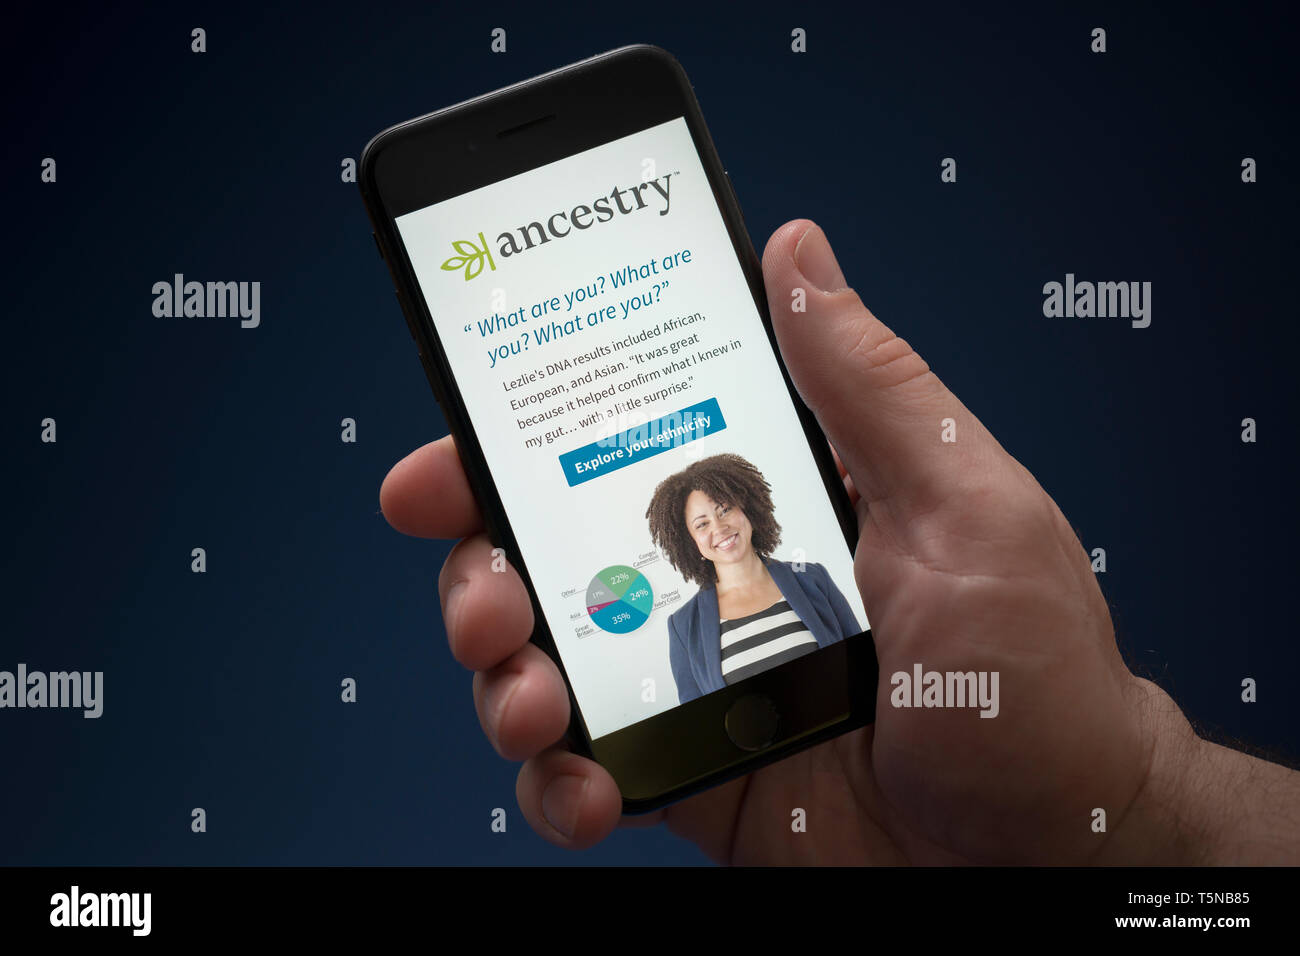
[{"x": 665, "y": 501}]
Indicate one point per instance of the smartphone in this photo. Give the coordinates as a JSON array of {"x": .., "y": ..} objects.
[{"x": 572, "y": 264}]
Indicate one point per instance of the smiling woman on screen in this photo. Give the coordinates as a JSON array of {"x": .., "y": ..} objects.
[{"x": 713, "y": 521}]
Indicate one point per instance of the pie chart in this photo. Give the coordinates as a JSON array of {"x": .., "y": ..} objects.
[{"x": 619, "y": 599}]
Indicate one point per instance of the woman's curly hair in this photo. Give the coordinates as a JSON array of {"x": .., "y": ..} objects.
[{"x": 728, "y": 480}]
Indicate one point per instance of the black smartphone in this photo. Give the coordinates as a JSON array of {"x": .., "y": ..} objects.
[{"x": 573, "y": 266}]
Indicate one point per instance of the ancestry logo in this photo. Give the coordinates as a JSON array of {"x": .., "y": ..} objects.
[
  {"x": 1123, "y": 300},
  {"x": 59, "y": 689},
  {"x": 470, "y": 257},
  {"x": 75, "y": 908},
  {"x": 211, "y": 300}
]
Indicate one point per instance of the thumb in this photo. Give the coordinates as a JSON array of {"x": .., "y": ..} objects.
[{"x": 876, "y": 399}]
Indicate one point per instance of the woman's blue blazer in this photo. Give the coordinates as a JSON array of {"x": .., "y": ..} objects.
[{"x": 694, "y": 636}]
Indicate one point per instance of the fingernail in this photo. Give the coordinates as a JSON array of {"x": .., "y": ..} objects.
[
  {"x": 814, "y": 258},
  {"x": 562, "y": 802}
]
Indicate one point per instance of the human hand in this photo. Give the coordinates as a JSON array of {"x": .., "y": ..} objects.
[{"x": 964, "y": 564}]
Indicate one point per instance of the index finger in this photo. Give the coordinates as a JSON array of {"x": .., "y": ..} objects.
[{"x": 427, "y": 494}]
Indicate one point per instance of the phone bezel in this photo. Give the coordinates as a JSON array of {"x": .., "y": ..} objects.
[{"x": 683, "y": 750}]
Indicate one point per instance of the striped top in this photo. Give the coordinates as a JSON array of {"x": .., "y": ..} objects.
[{"x": 765, "y": 639}]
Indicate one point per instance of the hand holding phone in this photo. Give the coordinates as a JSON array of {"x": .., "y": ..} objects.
[
  {"x": 965, "y": 563},
  {"x": 968, "y": 569}
]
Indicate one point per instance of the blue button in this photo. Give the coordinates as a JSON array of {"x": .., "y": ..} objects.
[{"x": 645, "y": 441}]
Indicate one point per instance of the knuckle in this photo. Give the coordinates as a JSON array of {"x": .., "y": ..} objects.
[{"x": 885, "y": 360}]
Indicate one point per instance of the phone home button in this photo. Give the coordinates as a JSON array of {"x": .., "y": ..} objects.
[{"x": 751, "y": 722}]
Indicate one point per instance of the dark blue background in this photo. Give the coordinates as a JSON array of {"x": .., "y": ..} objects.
[{"x": 222, "y": 689}]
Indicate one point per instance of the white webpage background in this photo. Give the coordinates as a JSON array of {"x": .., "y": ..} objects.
[{"x": 568, "y": 534}]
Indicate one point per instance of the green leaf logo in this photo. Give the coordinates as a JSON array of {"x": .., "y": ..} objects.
[{"x": 471, "y": 257}]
